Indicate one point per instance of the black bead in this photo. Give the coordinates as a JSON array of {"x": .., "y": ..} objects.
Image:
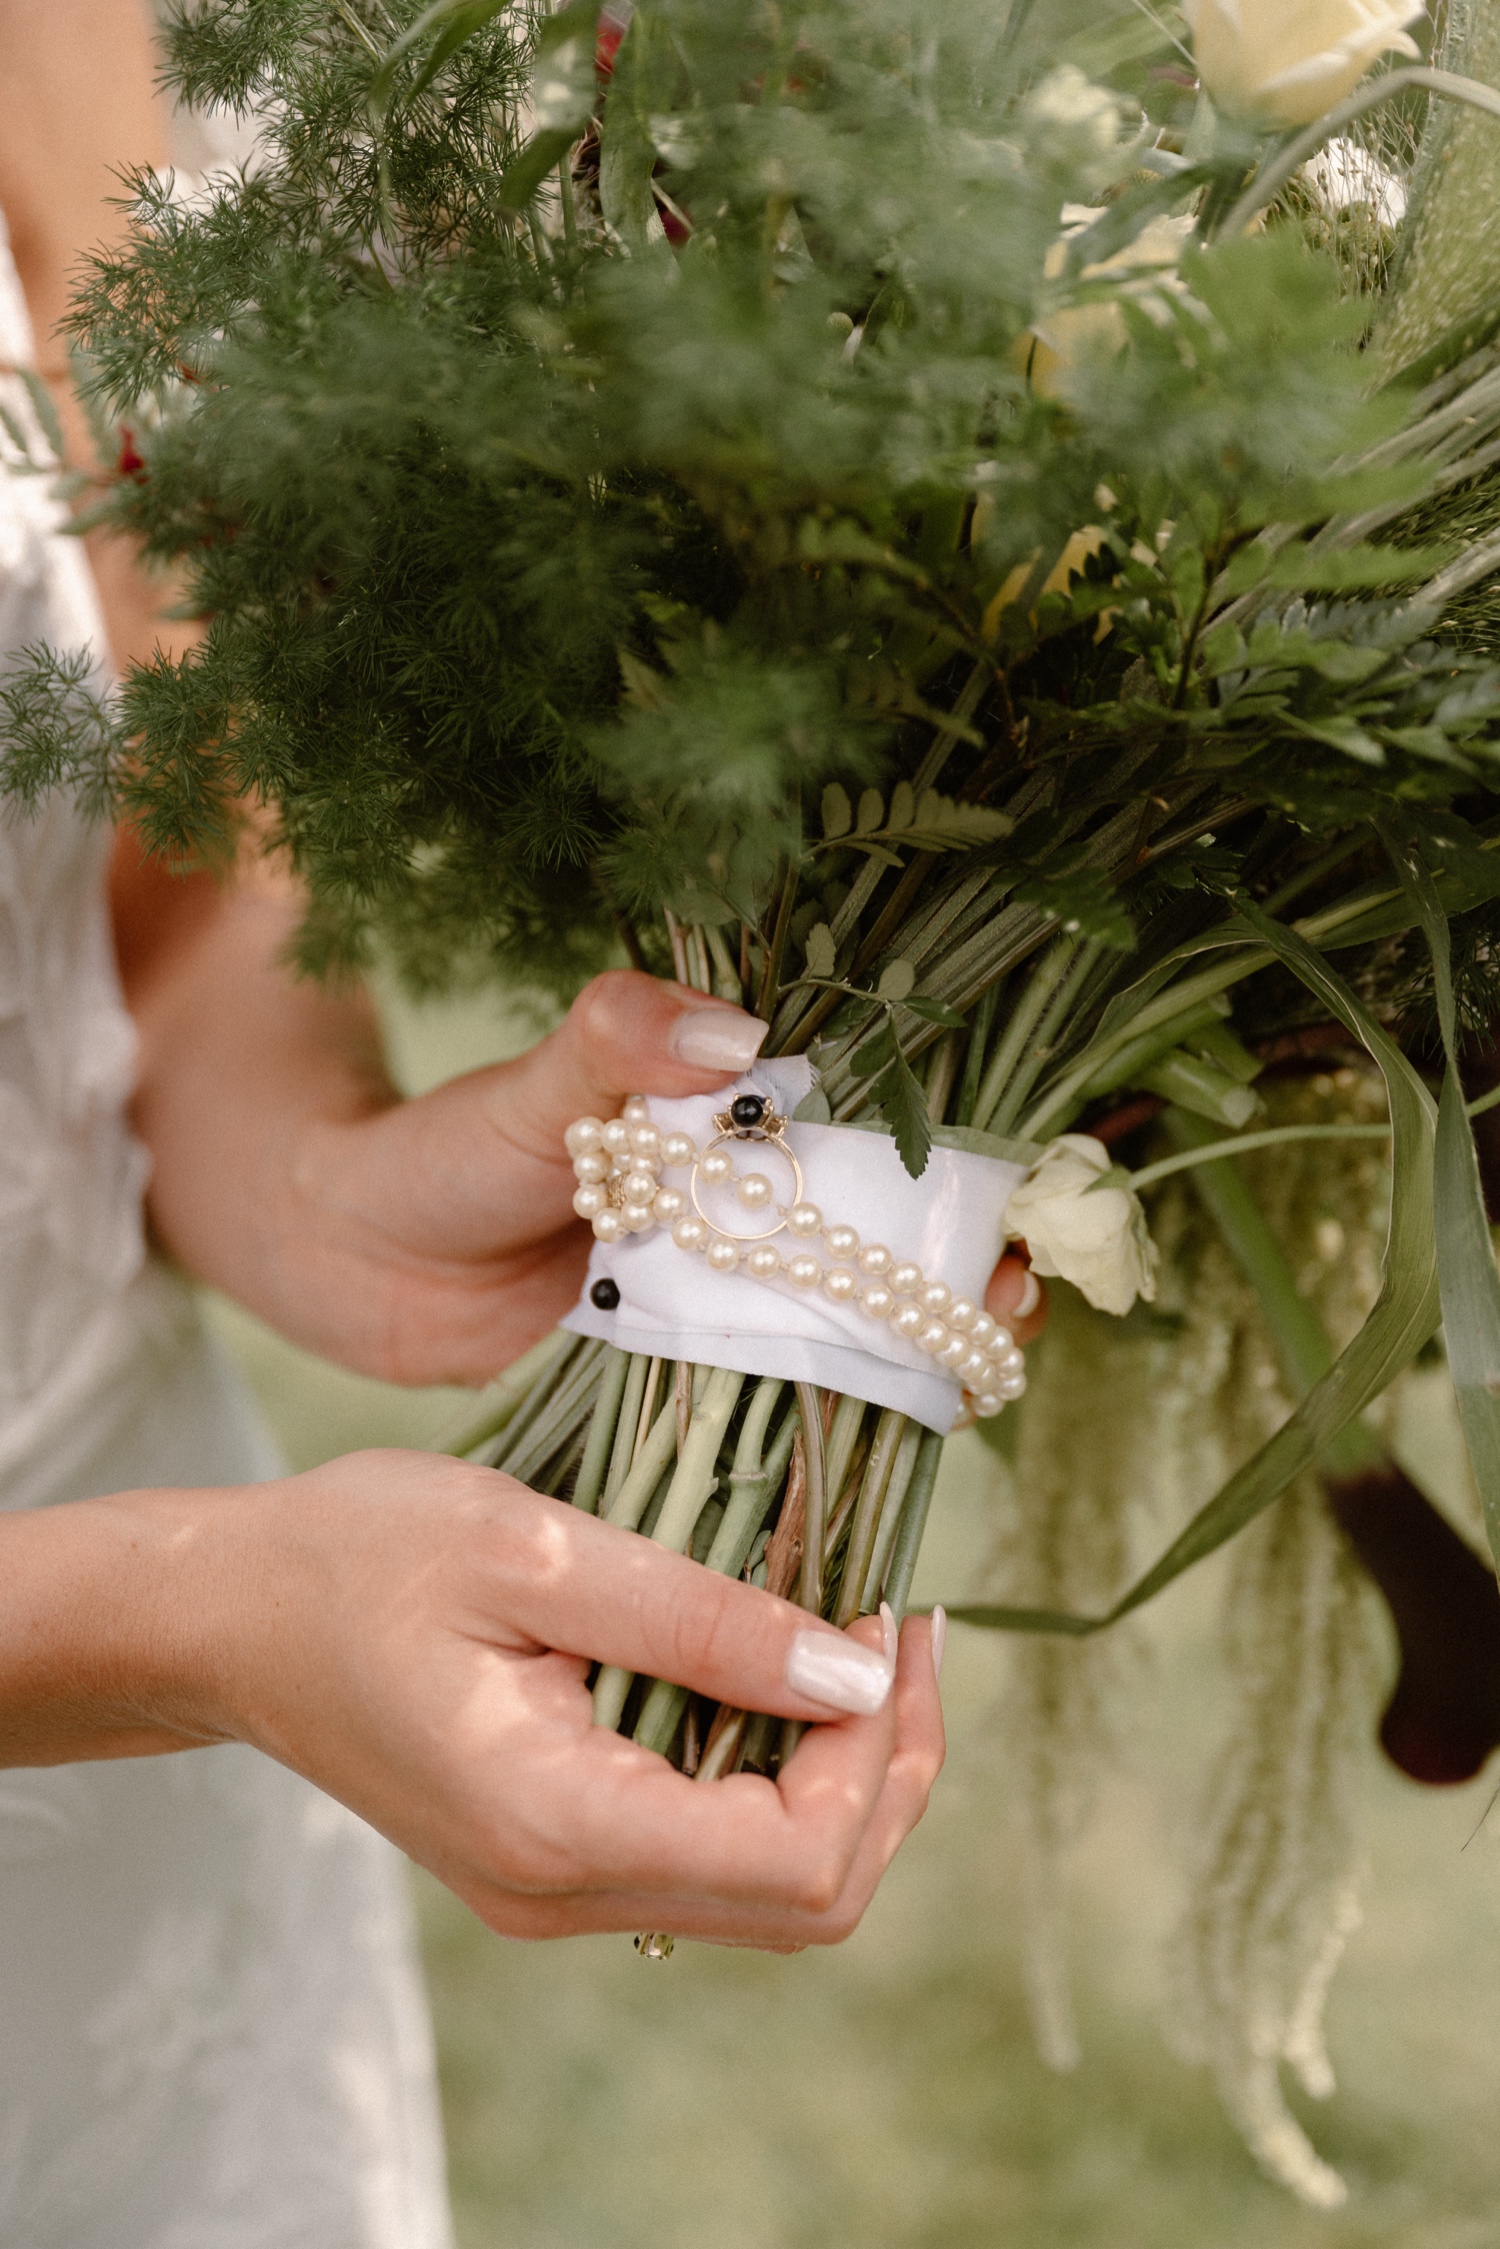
[
  {"x": 746, "y": 1111},
  {"x": 605, "y": 1294}
]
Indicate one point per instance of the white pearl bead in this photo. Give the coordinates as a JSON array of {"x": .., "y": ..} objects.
[
  {"x": 876, "y": 1260},
  {"x": 908, "y": 1319},
  {"x": 905, "y": 1279},
  {"x": 669, "y": 1204},
  {"x": 961, "y": 1314},
  {"x": 982, "y": 1331},
  {"x": 842, "y": 1242},
  {"x": 878, "y": 1301},
  {"x": 586, "y": 1169},
  {"x": 616, "y": 1136},
  {"x": 932, "y": 1337},
  {"x": 582, "y": 1135},
  {"x": 840, "y": 1284},
  {"x": 764, "y": 1263},
  {"x": 645, "y": 1139},
  {"x": 805, "y": 1270},
  {"x": 722, "y": 1254},
  {"x": 1008, "y": 1362},
  {"x": 640, "y": 1188},
  {"x": 804, "y": 1220},
  {"x": 637, "y": 1109},
  {"x": 716, "y": 1167},
  {"x": 690, "y": 1233},
  {"x": 754, "y": 1190},
  {"x": 1011, "y": 1386},
  {"x": 1001, "y": 1340},
  {"x": 608, "y": 1226},
  {"x": 589, "y": 1201},
  {"x": 935, "y": 1297},
  {"x": 677, "y": 1150},
  {"x": 954, "y": 1351},
  {"x": 987, "y": 1405},
  {"x": 970, "y": 1368}
]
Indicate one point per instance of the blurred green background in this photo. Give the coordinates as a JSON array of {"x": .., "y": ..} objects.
[{"x": 886, "y": 2095}]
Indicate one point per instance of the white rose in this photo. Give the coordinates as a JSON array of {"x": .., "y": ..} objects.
[
  {"x": 1097, "y": 1240},
  {"x": 1286, "y": 62}
]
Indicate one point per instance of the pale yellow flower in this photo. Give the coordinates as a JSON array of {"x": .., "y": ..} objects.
[{"x": 1286, "y": 62}]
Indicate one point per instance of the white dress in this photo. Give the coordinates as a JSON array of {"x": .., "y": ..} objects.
[{"x": 212, "y": 2028}]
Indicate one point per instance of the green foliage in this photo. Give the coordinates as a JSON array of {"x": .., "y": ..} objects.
[{"x": 554, "y": 574}]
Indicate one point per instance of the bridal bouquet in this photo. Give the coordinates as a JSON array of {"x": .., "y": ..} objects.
[{"x": 965, "y": 531}]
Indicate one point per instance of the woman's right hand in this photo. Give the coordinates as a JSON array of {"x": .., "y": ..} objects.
[{"x": 414, "y": 1634}]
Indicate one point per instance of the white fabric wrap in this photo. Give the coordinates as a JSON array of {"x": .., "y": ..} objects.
[{"x": 675, "y": 1306}]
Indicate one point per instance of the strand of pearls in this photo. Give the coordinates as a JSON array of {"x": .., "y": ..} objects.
[{"x": 619, "y": 1167}]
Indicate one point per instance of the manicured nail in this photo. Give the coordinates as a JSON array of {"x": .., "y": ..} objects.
[
  {"x": 939, "y": 1639},
  {"x": 1029, "y": 1298},
  {"x": 892, "y": 1633},
  {"x": 717, "y": 1038},
  {"x": 829, "y": 1668}
]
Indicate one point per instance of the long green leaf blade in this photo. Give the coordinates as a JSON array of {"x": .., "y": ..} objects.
[
  {"x": 1468, "y": 1282},
  {"x": 1402, "y": 1318}
]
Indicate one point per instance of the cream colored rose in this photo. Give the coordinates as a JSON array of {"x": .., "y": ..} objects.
[
  {"x": 1285, "y": 62},
  {"x": 1099, "y": 1240}
]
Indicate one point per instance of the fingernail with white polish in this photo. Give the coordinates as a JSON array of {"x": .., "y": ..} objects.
[
  {"x": 717, "y": 1038},
  {"x": 829, "y": 1668},
  {"x": 1029, "y": 1298},
  {"x": 939, "y": 1639},
  {"x": 892, "y": 1634}
]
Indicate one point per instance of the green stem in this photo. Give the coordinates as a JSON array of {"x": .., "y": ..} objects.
[
  {"x": 498, "y": 1404},
  {"x": 694, "y": 1481},
  {"x": 531, "y": 1409},
  {"x": 1040, "y": 985},
  {"x": 913, "y": 1522},
  {"x": 979, "y": 1038},
  {"x": 890, "y": 1516},
  {"x": 809, "y": 1406},
  {"x": 596, "y": 1453},
  {"x": 1046, "y": 1032},
  {"x": 634, "y": 1495},
  {"x": 843, "y": 1436},
  {"x": 889, "y": 1431},
  {"x": 1301, "y": 1341},
  {"x": 566, "y": 1411},
  {"x": 1293, "y": 154},
  {"x": 770, "y": 982},
  {"x": 1242, "y": 1144},
  {"x": 752, "y": 1480},
  {"x": 753, "y": 1484},
  {"x": 623, "y": 1451}
]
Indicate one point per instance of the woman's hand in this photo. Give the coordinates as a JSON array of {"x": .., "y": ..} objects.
[
  {"x": 423, "y": 1241},
  {"x": 413, "y": 1634}
]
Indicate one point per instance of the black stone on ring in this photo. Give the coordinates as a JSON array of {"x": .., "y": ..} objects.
[
  {"x": 606, "y": 1294},
  {"x": 746, "y": 1111}
]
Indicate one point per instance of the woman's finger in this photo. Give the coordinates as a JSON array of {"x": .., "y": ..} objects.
[
  {"x": 1017, "y": 1297},
  {"x": 782, "y": 1924},
  {"x": 594, "y": 1589}
]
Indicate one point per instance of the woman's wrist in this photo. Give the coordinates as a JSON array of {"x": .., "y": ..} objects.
[{"x": 109, "y": 1644}]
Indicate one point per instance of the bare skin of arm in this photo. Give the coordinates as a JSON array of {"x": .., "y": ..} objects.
[{"x": 78, "y": 106}]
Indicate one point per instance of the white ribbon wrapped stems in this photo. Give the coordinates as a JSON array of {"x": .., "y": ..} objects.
[{"x": 646, "y": 1293}]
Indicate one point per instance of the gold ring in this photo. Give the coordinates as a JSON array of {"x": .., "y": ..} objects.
[{"x": 765, "y": 1141}]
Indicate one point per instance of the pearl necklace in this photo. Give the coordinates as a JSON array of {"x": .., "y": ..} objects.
[{"x": 619, "y": 1165}]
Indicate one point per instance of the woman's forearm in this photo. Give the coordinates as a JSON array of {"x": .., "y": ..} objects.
[
  {"x": 94, "y": 1602},
  {"x": 239, "y": 1057}
]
